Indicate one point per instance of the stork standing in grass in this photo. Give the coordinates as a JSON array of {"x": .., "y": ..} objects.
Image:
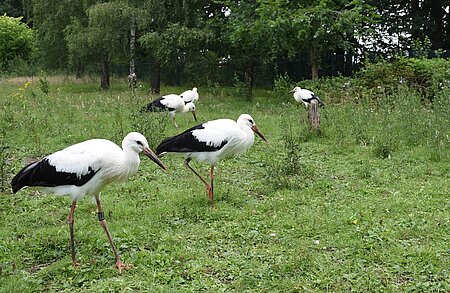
[
  {"x": 211, "y": 142},
  {"x": 173, "y": 104},
  {"x": 190, "y": 96},
  {"x": 84, "y": 169},
  {"x": 306, "y": 97}
]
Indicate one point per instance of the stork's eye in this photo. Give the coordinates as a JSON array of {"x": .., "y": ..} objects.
[
  {"x": 251, "y": 121},
  {"x": 138, "y": 142}
]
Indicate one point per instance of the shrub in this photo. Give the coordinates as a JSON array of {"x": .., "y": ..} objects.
[
  {"x": 17, "y": 41},
  {"x": 425, "y": 76}
]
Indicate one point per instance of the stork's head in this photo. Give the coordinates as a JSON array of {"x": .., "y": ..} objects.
[
  {"x": 247, "y": 120},
  {"x": 190, "y": 107},
  {"x": 137, "y": 142},
  {"x": 296, "y": 89}
]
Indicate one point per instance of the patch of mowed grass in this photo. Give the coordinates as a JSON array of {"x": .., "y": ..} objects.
[{"x": 305, "y": 212}]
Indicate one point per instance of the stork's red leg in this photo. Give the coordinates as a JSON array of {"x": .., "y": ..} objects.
[
  {"x": 211, "y": 177},
  {"x": 175, "y": 123},
  {"x": 70, "y": 219},
  {"x": 102, "y": 220},
  {"x": 208, "y": 187}
]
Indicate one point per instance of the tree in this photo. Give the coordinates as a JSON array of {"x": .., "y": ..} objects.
[
  {"x": 17, "y": 40},
  {"x": 103, "y": 36},
  {"x": 315, "y": 27},
  {"x": 50, "y": 18},
  {"x": 408, "y": 21},
  {"x": 245, "y": 36},
  {"x": 173, "y": 30}
]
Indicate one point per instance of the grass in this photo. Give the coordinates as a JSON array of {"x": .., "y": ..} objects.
[{"x": 362, "y": 205}]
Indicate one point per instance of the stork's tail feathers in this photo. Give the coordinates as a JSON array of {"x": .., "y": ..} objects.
[
  {"x": 321, "y": 104},
  {"x": 164, "y": 146},
  {"x": 23, "y": 178},
  {"x": 150, "y": 108},
  {"x": 154, "y": 106}
]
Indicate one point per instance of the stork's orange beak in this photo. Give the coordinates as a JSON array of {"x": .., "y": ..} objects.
[
  {"x": 256, "y": 130},
  {"x": 149, "y": 153}
]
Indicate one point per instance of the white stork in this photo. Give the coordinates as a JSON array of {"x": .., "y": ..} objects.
[
  {"x": 84, "y": 169},
  {"x": 212, "y": 141},
  {"x": 306, "y": 96},
  {"x": 172, "y": 103},
  {"x": 190, "y": 96}
]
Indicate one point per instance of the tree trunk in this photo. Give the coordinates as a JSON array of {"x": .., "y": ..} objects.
[
  {"x": 132, "y": 48},
  {"x": 415, "y": 25},
  {"x": 80, "y": 70},
  {"x": 156, "y": 77},
  {"x": 314, "y": 65},
  {"x": 314, "y": 116},
  {"x": 249, "y": 75},
  {"x": 437, "y": 24},
  {"x": 104, "y": 70}
]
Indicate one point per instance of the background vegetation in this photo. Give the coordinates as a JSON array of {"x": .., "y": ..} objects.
[{"x": 224, "y": 42}]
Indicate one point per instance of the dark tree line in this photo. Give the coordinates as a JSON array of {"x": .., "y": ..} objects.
[{"x": 192, "y": 41}]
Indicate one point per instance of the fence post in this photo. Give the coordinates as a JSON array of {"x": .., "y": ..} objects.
[{"x": 314, "y": 116}]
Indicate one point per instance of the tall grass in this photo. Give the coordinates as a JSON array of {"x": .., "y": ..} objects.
[{"x": 361, "y": 205}]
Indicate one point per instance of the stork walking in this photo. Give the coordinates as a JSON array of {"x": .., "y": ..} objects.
[
  {"x": 211, "y": 142},
  {"x": 84, "y": 169},
  {"x": 173, "y": 104},
  {"x": 189, "y": 96},
  {"x": 306, "y": 96}
]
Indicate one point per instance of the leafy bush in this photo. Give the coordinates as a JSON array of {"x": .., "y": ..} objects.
[
  {"x": 426, "y": 76},
  {"x": 17, "y": 41},
  {"x": 282, "y": 86}
]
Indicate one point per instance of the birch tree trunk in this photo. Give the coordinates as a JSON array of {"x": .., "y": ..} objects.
[{"x": 132, "y": 48}]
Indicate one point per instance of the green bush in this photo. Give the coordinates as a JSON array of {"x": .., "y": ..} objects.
[
  {"x": 425, "y": 76},
  {"x": 17, "y": 41}
]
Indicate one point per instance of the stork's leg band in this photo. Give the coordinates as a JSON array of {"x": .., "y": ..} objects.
[{"x": 101, "y": 216}]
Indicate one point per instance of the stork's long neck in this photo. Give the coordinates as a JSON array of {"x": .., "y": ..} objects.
[
  {"x": 129, "y": 163},
  {"x": 248, "y": 137},
  {"x": 185, "y": 108}
]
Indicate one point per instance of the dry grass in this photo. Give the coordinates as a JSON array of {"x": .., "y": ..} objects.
[{"x": 58, "y": 79}]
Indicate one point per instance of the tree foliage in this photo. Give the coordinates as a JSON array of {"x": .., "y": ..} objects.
[
  {"x": 185, "y": 39},
  {"x": 17, "y": 40}
]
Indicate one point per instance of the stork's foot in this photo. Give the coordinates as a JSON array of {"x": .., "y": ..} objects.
[
  {"x": 121, "y": 266},
  {"x": 75, "y": 264}
]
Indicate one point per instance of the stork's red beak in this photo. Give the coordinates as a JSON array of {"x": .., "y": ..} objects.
[
  {"x": 291, "y": 91},
  {"x": 256, "y": 130},
  {"x": 149, "y": 153},
  {"x": 193, "y": 114}
]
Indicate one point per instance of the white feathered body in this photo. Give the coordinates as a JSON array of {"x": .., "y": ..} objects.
[
  {"x": 213, "y": 140},
  {"x": 239, "y": 140},
  {"x": 190, "y": 96},
  {"x": 109, "y": 161}
]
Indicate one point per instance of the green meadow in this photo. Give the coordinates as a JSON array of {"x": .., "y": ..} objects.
[{"x": 361, "y": 205}]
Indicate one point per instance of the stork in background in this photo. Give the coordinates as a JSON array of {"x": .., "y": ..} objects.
[
  {"x": 84, "y": 169},
  {"x": 190, "y": 96},
  {"x": 211, "y": 142},
  {"x": 173, "y": 104},
  {"x": 306, "y": 97}
]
